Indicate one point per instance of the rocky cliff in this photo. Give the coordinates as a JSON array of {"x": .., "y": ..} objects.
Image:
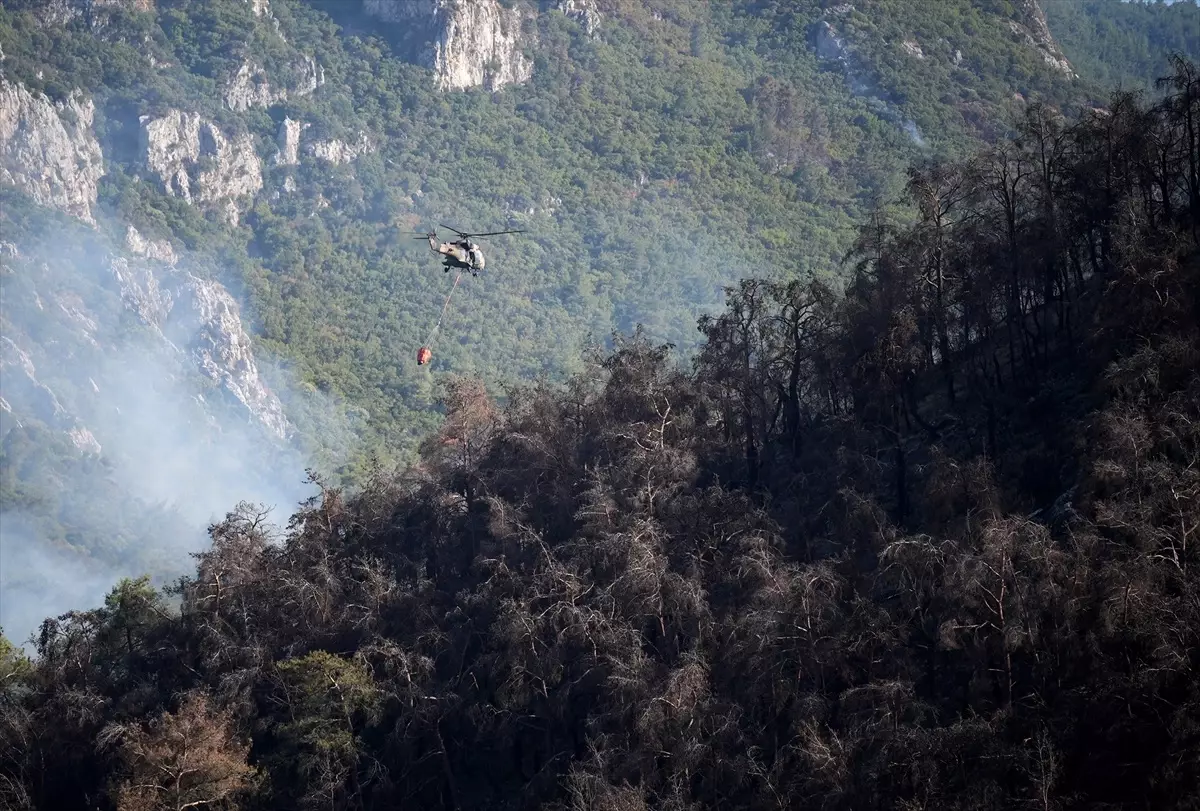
[
  {"x": 59, "y": 316},
  {"x": 290, "y": 131},
  {"x": 157, "y": 249},
  {"x": 22, "y": 393},
  {"x": 251, "y": 87},
  {"x": 100, "y": 418},
  {"x": 93, "y": 12},
  {"x": 293, "y": 143},
  {"x": 585, "y": 12},
  {"x": 337, "y": 152},
  {"x": 200, "y": 319},
  {"x": 472, "y": 43},
  {"x": 48, "y": 150},
  {"x": 196, "y": 161},
  {"x": 1032, "y": 27}
]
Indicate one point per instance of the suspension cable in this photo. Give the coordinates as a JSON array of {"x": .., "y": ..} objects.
[{"x": 445, "y": 306}]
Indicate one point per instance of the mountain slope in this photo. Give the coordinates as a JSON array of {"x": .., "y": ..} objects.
[
  {"x": 927, "y": 542},
  {"x": 653, "y": 151},
  {"x": 672, "y": 150},
  {"x": 1124, "y": 44}
]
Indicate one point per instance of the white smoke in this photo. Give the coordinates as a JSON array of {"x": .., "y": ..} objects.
[
  {"x": 914, "y": 132},
  {"x": 177, "y": 452}
]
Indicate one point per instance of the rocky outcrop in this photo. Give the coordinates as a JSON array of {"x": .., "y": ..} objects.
[
  {"x": 94, "y": 12},
  {"x": 250, "y": 86},
  {"x": 19, "y": 377},
  {"x": 158, "y": 250},
  {"x": 584, "y": 12},
  {"x": 473, "y": 43},
  {"x": 262, "y": 10},
  {"x": 141, "y": 293},
  {"x": 292, "y": 144},
  {"x": 200, "y": 318},
  {"x": 197, "y": 162},
  {"x": 76, "y": 313},
  {"x": 1031, "y": 26},
  {"x": 83, "y": 439},
  {"x": 829, "y": 44},
  {"x": 289, "y": 142},
  {"x": 310, "y": 76},
  {"x": 21, "y": 391},
  {"x": 209, "y": 315},
  {"x": 336, "y": 151},
  {"x": 48, "y": 149}
]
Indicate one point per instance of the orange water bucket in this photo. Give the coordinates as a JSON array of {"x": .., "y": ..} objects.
[{"x": 423, "y": 356}]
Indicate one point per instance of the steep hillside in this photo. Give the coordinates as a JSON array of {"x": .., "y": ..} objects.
[
  {"x": 929, "y": 541},
  {"x": 654, "y": 152},
  {"x": 132, "y": 414},
  {"x": 1123, "y": 44},
  {"x": 273, "y": 153}
]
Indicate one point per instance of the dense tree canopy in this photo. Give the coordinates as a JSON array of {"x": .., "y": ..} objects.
[
  {"x": 685, "y": 147},
  {"x": 926, "y": 542},
  {"x": 680, "y": 148}
]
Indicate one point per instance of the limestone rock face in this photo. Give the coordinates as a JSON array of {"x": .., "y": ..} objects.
[
  {"x": 158, "y": 250},
  {"x": 251, "y": 87},
  {"x": 584, "y": 11},
  {"x": 48, "y": 149},
  {"x": 200, "y": 318},
  {"x": 199, "y": 163},
  {"x": 336, "y": 151},
  {"x": 195, "y": 326},
  {"x": 913, "y": 48},
  {"x": 293, "y": 144},
  {"x": 474, "y": 43},
  {"x": 1031, "y": 26},
  {"x": 289, "y": 142},
  {"x": 21, "y": 391}
]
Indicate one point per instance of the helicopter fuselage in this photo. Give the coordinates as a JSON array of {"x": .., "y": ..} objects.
[{"x": 462, "y": 255}]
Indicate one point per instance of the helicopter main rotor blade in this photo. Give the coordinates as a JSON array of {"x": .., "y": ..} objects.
[{"x": 484, "y": 234}]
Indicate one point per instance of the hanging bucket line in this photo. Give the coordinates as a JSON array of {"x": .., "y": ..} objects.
[{"x": 445, "y": 306}]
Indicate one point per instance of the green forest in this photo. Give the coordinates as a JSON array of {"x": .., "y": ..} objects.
[
  {"x": 678, "y": 149},
  {"x": 926, "y": 540},
  {"x": 685, "y": 148},
  {"x": 829, "y": 438}
]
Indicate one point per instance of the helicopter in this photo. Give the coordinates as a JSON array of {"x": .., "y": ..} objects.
[{"x": 462, "y": 253}]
